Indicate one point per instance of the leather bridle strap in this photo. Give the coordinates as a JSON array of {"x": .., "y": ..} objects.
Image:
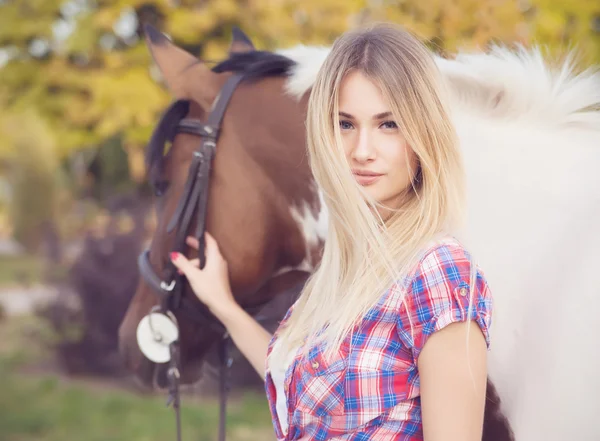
[
  {"x": 194, "y": 200},
  {"x": 196, "y": 189},
  {"x": 225, "y": 361},
  {"x": 173, "y": 376},
  {"x": 160, "y": 287}
]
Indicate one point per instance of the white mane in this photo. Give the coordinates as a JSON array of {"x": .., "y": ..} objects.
[
  {"x": 530, "y": 135},
  {"x": 500, "y": 83}
]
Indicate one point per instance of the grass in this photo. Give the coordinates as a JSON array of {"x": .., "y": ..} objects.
[{"x": 51, "y": 408}]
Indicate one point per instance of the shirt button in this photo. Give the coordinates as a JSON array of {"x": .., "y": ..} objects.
[
  {"x": 463, "y": 292},
  {"x": 315, "y": 365}
]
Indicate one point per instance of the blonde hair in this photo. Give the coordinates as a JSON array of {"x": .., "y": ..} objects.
[{"x": 364, "y": 255}]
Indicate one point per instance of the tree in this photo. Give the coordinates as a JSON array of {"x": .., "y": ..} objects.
[
  {"x": 84, "y": 68},
  {"x": 566, "y": 25},
  {"x": 36, "y": 188}
]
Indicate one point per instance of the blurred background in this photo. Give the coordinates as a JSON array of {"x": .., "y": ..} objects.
[{"x": 79, "y": 98}]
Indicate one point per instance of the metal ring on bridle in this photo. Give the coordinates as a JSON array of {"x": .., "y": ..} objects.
[
  {"x": 168, "y": 287},
  {"x": 174, "y": 372},
  {"x": 157, "y": 336}
]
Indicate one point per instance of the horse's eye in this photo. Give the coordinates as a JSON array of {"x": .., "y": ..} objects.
[{"x": 160, "y": 187}]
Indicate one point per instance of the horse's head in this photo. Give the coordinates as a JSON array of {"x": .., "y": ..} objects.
[{"x": 262, "y": 207}]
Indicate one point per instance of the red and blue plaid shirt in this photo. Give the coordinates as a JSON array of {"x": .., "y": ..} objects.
[{"x": 370, "y": 390}]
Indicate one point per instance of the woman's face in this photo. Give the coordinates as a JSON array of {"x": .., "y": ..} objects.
[{"x": 379, "y": 156}]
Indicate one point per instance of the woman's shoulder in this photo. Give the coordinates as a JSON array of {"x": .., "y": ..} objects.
[
  {"x": 440, "y": 252},
  {"x": 443, "y": 262},
  {"x": 446, "y": 286},
  {"x": 444, "y": 241},
  {"x": 445, "y": 249}
]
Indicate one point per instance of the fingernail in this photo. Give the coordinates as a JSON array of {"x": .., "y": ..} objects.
[{"x": 174, "y": 255}]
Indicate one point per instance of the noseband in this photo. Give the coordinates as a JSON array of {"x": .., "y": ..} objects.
[{"x": 170, "y": 285}]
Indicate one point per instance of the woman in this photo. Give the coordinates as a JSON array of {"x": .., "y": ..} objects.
[{"x": 388, "y": 339}]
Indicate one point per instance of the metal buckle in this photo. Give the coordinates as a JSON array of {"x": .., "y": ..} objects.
[
  {"x": 174, "y": 372},
  {"x": 168, "y": 287}
]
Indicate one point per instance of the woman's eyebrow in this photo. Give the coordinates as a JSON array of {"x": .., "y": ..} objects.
[
  {"x": 376, "y": 117},
  {"x": 382, "y": 115}
]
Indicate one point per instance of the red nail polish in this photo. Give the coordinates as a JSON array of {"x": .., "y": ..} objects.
[{"x": 174, "y": 255}]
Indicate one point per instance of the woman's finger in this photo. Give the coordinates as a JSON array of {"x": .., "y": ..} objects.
[
  {"x": 211, "y": 244},
  {"x": 209, "y": 237},
  {"x": 193, "y": 262},
  {"x": 192, "y": 242},
  {"x": 195, "y": 244},
  {"x": 182, "y": 263}
]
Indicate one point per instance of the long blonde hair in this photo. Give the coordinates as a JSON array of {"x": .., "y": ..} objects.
[{"x": 364, "y": 255}]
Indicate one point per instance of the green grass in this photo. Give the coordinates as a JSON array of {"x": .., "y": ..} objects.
[{"x": 51, "y": 408}]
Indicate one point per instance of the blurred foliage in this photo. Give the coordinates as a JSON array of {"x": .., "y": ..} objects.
[
  {"x": 79, "y": 92},
  {"x": 34, "y": 178},
  {"x": 101, "y": 282},
  {"x": 20, "y": 270},
  {"x": 84, "y": 68}
]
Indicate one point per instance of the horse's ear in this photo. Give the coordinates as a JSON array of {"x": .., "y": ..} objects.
[
  {"x": 185, "y": 75},
  {"x": 240, "y": 42}
]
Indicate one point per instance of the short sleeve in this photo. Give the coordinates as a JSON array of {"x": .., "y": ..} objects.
[{"x": 439, "y": 294}]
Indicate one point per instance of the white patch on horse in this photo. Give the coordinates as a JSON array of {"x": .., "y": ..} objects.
[
  {"x": 312, "y": 227},
  {"x": 305, "y": 265}
]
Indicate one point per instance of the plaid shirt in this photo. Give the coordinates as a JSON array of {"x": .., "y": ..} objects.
[{"x": 370, "y": 391}]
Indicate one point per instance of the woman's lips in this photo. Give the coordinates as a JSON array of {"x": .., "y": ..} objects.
[{"x": 366, "y": 178}]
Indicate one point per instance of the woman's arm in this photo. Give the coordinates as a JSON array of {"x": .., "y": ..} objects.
[
  {"x": 453, "y": 375},
  {"x": 248, "y": 335}
]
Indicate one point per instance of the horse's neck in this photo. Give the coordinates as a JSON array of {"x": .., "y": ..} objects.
[{"x": 296, "y": 204}]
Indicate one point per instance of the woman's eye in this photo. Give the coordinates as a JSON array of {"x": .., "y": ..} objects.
[
  {"x": 345, "y": 125},
  {"x": 390, "y": 125}
]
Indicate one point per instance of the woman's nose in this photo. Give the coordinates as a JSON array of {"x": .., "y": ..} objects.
[{"x": 363, "y": 150}]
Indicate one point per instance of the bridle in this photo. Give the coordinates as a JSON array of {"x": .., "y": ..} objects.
[{"x": 170, "y": 285}]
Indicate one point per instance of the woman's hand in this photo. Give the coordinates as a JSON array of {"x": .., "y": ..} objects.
[{"x": 211, "y": 284}]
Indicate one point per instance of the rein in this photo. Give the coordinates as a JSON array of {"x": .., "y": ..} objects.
[{"x": 158, "y": 332}]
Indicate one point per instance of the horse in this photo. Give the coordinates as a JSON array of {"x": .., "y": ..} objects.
[
  {"x": 261, "y": 206},
  {"x": 530, "y": 136}
]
